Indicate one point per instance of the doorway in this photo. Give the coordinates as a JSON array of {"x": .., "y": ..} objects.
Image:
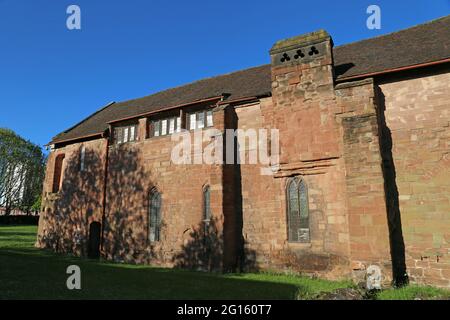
[{"x": 94, "y": 240}]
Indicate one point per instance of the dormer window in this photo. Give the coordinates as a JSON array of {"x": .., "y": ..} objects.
[
  {"x": 123, "y": 134},
  {"x": 165, "y": 126},
  {"x": 200, "y": 119},
  {"x": 173, "y": 122}
]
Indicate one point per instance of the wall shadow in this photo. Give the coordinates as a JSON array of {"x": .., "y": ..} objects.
[
  {"x": 341, "y": 69},
  {"x": 68, "y": 214},
  {"x": 79, "y": 203},
  {"x": 397, "y": 245},
  {"x": 126, "y": 221},
  {"x": 245, "y": 258},
  {"x": 204, "y": 250}
]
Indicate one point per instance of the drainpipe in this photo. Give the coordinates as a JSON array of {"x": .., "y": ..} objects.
[{"x": 105, "y": 182}]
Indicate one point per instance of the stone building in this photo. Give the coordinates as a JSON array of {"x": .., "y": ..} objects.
[{"x": 362, "y": 178}]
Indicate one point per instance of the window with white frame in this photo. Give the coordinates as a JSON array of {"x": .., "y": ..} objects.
[
  {"x": 125, "y": 134},
  {"x": 200, "y": 119},
  {"x": 166, "y": 126}
]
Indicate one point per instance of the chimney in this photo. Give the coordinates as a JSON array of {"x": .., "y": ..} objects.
[
  {"x": 302, "y": 65},
  {"x": 304, "y": 97}
]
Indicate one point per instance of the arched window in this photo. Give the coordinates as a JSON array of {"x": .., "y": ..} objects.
[
  {"x": 206, "y": 206},
  {"x": 57, "y": 173},
  {"x": 82, "y": 158},
  {"x": 154, "y": 227},
  {"x": 297, "y": 211}
]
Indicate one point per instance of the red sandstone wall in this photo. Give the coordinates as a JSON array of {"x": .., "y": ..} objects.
[
  {"x": 331, "y": 135},
  {"x": 136, "y": 168},
  {"x": 304, "y": 110},
  {"x": 417, "y": 114},
  {"x": 67, "y": 214},
  {"x": 264, "y": 205},
  {"x": 328, "y": 136},
  {"x": 365, "y": 194},
  {"x": 264, "y": 223}
]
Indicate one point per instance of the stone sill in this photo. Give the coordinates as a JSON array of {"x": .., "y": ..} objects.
[{"x": 299, "y": 245}]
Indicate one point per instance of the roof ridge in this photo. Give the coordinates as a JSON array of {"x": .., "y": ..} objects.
[{"x": 395, "y": 32}]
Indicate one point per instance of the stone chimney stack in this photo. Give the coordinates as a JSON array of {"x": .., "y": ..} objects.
[{"x": 304, "y": 97}]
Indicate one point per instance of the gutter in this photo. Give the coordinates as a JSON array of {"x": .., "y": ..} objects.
[
  {"x": 415, "y": 66},
  {"x": 168, "y": 108},
  {"x": 221, "y": 102},
  {"x": 75, "y": 139},
  {"x": 247, "y": 99},
  {"x": 342, "y": 79}
]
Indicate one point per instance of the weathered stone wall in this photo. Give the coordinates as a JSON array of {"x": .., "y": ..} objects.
[
  {"x": 302, "y": 109},
  {"x": 265, "y": 216},
  {"x": 374, "y": 156},
  {"x": 264, "y": 225},
  {"x": 417, "y": 115},
  {"x": 329, "y": 136},
  {"x": 367, "y": 217},
  {"x": 134, "y": 170},
  {"x": 66, "y": 215}
]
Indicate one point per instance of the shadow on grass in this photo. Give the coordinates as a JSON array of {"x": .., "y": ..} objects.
[{"x": 30, "y": 273}]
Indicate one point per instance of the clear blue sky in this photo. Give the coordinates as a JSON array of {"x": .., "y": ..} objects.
[{"x": 51, "y": 77}]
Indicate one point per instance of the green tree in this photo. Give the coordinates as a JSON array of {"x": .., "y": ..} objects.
[{"x": 22, "y": 167}]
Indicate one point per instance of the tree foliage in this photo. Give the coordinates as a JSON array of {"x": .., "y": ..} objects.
[{"x": 22, "y": 167}]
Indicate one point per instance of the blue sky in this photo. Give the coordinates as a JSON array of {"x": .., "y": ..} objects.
[{"x": 52, "y": 77}]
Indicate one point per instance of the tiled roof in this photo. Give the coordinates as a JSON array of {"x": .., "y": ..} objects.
[{"x": 414, "y": 46}]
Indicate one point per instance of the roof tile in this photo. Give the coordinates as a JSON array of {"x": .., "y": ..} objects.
[{"x": 417, "y": 45}]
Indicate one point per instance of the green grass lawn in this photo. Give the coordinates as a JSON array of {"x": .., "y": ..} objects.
[{"x": 29, "y": 273}]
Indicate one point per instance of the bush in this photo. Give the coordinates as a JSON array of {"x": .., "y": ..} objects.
[{"x": 19, "y": 220}]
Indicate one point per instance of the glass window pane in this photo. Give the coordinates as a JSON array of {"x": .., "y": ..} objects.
[
  {"x": 156, "y": 128},
  {"x": 132, "y": 133},
  {"x": 155, "y": 216},
  {"x": 178, "y": 124},
  {"x": 125, "y": 135},
  {"x": 152, "y": 234},
  {"x": 209, "y": 119},
  {"x": 164, "y": 127},
  {"x": 293, "y": 198},
  {"x": 293, "y": 211},
  {"x": 303, "y": 200},
  {"x": 192, "y": 121},
  {"x": 303, "y": 235},
  {"x": 304, "y": 213},
  {"x": 200, "y": 120},
  {"x": 171, "y": 125},
  {"x": 82, "y": 157},
  {"x": 207, "y": 204},
  {"x": 119, "y": 135}
]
